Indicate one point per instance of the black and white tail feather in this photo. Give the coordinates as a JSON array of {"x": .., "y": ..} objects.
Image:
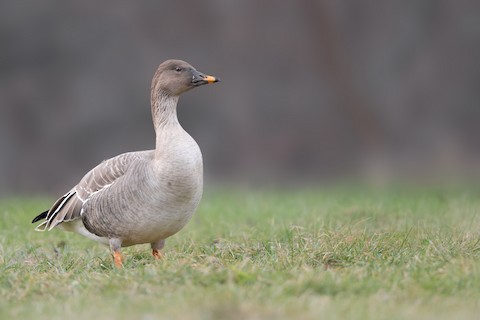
[{"x": 63, "y": 210}]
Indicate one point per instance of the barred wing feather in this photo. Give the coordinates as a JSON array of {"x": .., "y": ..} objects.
[{"x": 70, "y": 206}]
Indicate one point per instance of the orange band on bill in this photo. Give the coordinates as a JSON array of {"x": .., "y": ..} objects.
[{"x": 210, "y": 79}]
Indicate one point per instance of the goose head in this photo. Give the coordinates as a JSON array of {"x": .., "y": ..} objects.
[{"x": 174, "y": 77}]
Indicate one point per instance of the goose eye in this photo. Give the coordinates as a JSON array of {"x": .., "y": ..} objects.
[{"x": 178, "y": 69}]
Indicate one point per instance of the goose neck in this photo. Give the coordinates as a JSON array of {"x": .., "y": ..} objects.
[{"x": 164, "y": 110}]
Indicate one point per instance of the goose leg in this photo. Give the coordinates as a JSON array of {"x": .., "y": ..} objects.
[
  {"x": 156, "y": 247},
  {"x": 115, "y": 245}
]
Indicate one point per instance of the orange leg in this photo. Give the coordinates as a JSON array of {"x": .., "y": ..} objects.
[
  {"x": 117, "y": 258},
  {"x": 115, "y": 245},
  {"x": 157, "y": 254},
  {"x": 156, "y": 247}
]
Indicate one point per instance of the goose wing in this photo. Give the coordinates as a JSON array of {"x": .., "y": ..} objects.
[{"x": 70, "y": 206}]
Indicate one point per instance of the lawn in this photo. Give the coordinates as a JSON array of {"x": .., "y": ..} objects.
[{"x": 323, "y": 254}]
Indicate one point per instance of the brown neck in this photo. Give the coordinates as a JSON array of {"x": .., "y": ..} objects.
[
  {"x": 164, "y": 110},
  {"x": 165, "y": 121}
]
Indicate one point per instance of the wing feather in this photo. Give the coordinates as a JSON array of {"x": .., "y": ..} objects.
[{"x": 70, "y": 206}]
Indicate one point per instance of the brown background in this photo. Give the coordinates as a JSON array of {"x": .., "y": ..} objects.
[{"x": 312, "y": 91}]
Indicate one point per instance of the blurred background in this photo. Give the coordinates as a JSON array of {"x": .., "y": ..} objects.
[{"x": 312, "y": 92}]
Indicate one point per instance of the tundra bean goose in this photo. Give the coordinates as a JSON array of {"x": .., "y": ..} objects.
[{"x": 144, "y": 196}]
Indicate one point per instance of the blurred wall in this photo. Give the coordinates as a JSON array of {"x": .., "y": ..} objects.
[{"x": 312, "y": 91}]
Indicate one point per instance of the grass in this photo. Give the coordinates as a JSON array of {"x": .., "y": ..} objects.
[{"x": 344, "y": 254}]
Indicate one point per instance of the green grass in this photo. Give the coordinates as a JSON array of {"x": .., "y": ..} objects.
[{"x": 345, "y": 254}]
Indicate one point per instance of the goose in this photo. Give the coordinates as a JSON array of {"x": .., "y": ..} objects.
[{"x": 143, "y": 196}]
